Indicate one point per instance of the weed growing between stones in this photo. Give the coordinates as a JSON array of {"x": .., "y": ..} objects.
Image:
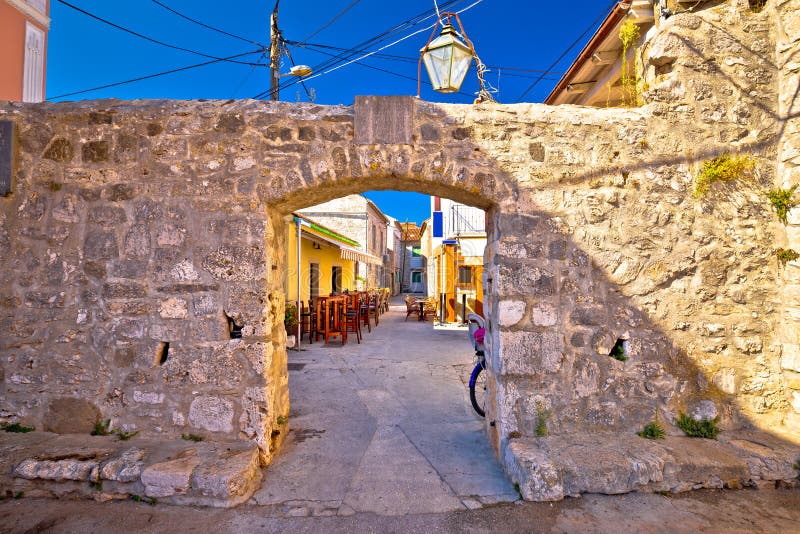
[
  {"x": 786, "y": 255},
  {"x": 631, "y": 85},
  {"x": 618, "y": 351},
  {"x": 16, "y": 428},
  {"x": 757, "y": 6},
  {"x": 282, "y": 420},
  {"x": 148, "y": 500},
  {"x": 782, "y": 201},
  {"x": 11, "y": 495},
  {"x": 652, "y": 430},
  {"x": 707, "y": 428},
  {"x": 125, "y": 436},
  {"x": 724, "y": 168},
  {"x": 101, "y": 429},
  {"x": 542, "y": 416},
  {"x": 192, "y": 437},
  {"x": 97, "y": 486}
]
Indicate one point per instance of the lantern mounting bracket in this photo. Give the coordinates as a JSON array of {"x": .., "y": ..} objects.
[{"x": 445, "y": 20}]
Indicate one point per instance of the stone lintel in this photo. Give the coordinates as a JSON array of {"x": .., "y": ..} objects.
[{"x": 383, "y": 119}]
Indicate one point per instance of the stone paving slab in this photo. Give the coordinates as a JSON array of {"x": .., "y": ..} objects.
[
  {"x": 384, "y": 427},
  {"x": 102, "y": 468},
  {"x": 551, "y": 468}
]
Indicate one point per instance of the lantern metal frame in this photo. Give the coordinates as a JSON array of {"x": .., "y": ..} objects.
[{"x": 445, "y": 19}]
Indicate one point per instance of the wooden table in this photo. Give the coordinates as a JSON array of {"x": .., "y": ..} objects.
[{"x": 329, "y": 318}]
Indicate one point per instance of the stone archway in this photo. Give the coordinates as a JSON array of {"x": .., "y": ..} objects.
[{"x": 135, "y": 227}]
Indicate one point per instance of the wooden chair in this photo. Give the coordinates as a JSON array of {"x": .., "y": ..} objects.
[
  {"x": 352, "y": 316},
  {"x": 363, "y": 309},
  {"x": 308, "y": 322},
  {"x": 412, "y": 306},
  {"x": 372, "y": 308},
  {"x": 429, "y": 307}
]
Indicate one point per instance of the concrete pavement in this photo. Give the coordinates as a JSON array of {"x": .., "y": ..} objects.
[{"x": 384, "y": 427}]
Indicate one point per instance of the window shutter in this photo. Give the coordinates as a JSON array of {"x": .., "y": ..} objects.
[{"x": 33, "y": 76}]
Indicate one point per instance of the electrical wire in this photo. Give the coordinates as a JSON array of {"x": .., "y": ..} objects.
[
  {"x": 603, "y": 14},
  {"x": 249, "y": 73},
  {"x": 190, "y": 19},
  {"x": 334, "y": 19},
  {"x": 314, "y": 46},
  {"x": 140, "y": 78},
  {"x": 413, "y": 21},
  {"x": 387, "y": 71},
  {"x": 145, "y": 37},
  {"x": 334, "y": 65}
]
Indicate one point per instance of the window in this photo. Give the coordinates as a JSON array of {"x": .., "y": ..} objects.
[
  {"x": 33, "y": 75},
  {"x": 374, "y": 233},
  {"x": 416, "y": 277},
  {"x": 465, "y": 275}
]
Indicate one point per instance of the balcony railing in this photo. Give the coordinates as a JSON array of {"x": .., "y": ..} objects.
[{"x": 465, "y": 220}]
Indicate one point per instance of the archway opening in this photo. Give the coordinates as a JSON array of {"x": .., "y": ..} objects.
[{"x": 381, "y": 419}]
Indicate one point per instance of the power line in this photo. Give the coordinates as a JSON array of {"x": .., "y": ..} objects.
[
  {"x": 137, "y": 34},
  {"x": 346, "y": 63},
  {"x": 387, "y": 71},
  {"x": 190, "y": 19},
  {"x": 413, "y": 21},
  {"x": 570, "y": 47},
  {"x": 140, "y": 78},
  {"x": 315, "y": 46},
  {"x": 334, "y": 19}
]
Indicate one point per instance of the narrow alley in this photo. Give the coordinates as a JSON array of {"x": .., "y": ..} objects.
[{"x": 384, "y": 426}]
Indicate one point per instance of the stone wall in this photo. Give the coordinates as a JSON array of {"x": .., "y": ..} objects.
[
  {"x": 136, "y": 224},
  {"x": 788, "y": 175}
]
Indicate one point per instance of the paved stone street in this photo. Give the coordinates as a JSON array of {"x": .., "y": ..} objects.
[{"x": 385, "y": 427}]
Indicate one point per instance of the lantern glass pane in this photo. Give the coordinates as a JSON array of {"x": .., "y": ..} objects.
[
  {"x": 437, "y": 63},
  {"x": 462, "y": 59}
]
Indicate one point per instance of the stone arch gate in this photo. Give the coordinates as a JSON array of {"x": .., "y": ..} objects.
[{"x": 134, "y": 231}]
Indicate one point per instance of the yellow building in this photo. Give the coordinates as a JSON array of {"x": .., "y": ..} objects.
[{"x": 327, "y": 260}]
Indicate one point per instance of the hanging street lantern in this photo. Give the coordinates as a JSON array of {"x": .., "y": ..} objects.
[{"x": 447, "y": 59}]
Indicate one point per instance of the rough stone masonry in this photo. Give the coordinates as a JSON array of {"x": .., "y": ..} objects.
[{"x": 138, "y": 234}]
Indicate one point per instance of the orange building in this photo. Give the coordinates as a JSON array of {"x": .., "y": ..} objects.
[{"x": 23, "y": 47}]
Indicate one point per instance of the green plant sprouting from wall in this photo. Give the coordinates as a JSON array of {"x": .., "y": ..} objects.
[
  {"x": 706, "y": 428},
  {"x": 785, "y": 255},
  {"x": 653, "y": 430},
  {"x": 542, "y": 415},
  {"x": 631, "y": 82},
  {"x": 782, "y": 200},
  {"x": 724, "y": 168}
]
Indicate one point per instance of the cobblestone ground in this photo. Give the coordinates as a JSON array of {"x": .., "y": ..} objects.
[{"x": 384, "y": 426}]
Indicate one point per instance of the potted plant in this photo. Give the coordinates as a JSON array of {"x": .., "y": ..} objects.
[{"x": 291, "y": 318}]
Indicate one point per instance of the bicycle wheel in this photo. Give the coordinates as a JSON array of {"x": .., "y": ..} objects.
[{"x": 477, "y": 389}]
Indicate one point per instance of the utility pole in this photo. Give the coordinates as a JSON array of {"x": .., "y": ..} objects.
[{"x": 274, "y": 53}]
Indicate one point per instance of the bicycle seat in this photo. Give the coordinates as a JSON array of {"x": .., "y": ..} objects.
[{"x": 475, "y": 321}]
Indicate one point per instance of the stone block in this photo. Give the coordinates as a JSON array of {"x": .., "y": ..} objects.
[
  {"x": 510, "y": 312},
  {"x": 173, "y": 308},
  {"x": 230, "y": 475},
  {"x": 169, "y": 478},
  {"x": 69, "y": 415},
  {"x": 100, "y": 245},
  {"x": 530, "y": 353},
  {"x": 544, "y": 315},
  {"x": 383, "y": 119},
  {"x": 127, "y": 467},
  {"x": 60, "y": 470},
  {"x": 211, "y": 413},
  {"x": 790, "y": 357}
]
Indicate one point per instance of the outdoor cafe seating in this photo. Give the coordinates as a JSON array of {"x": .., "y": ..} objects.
[{"x": 337, "y": 315}]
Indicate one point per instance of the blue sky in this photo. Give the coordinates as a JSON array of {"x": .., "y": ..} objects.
[{"x": 514, "y": 38}]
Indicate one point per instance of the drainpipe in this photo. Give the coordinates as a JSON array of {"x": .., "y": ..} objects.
[{"x": 299, "y": 222}]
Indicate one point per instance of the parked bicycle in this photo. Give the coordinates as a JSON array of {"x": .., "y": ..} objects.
[{"x": 477, "y": 380}]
